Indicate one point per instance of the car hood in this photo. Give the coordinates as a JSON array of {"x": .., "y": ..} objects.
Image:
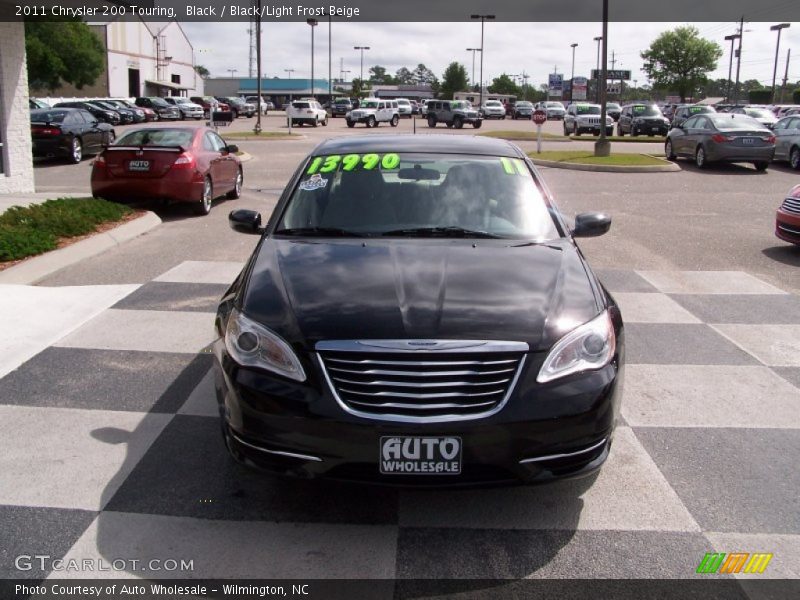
[{"x": 312, "y": 290}]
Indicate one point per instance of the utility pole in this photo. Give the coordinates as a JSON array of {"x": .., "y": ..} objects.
[
  {"x": 777, "y": 47},
  {"x": 602, "y": 147},
  {"x": 483, "y": 19},
  {"x": 312, "y": 23},
  {"x": 786, "y": 72},
  {"x": 473, "y": 50},
  {"x": 738, "y": 61},
  {"x": 732, "y": 38},
  {"x": 257, "y": 128},
  {"x": 572, "y": 77},
  {"x": 598, "y": 39},
  {"x": 330, "y": 69}
]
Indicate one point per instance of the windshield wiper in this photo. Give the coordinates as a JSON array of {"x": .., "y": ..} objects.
[
  {"x": 451, "y": 231},
  {"x": 319, "y": 231}
]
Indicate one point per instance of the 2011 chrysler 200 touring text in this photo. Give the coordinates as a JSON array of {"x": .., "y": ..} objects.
[{"x": 417, "y": 312}]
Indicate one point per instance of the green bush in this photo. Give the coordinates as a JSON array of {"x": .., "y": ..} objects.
[
  {"x": 760, "y": 96},
  {"x": 796, "y": 96},
  {"x": 29, "y": 230}
]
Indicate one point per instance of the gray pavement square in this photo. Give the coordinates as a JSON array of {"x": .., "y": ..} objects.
[
  {"x": 742, "y": 308},
  {"x": 681, "y": 344},
  {"x": 623, "y": 280},
  {"x": 731, "y": 480},
  {"x": 790, "y": 374},
  {"x": 177, "y": 296},
  {"x": 105, "y": 380}
]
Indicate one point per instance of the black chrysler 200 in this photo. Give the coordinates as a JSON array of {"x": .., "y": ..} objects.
[{"x": 417, "y": 312}]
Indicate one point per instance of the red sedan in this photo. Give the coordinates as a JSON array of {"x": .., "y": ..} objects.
[
  {"x": 174, "y": 164},
  {"x": 787, "y": 218}
]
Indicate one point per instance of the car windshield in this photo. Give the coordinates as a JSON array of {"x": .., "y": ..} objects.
[
  {"x": 418, "y": 195},
  {"x": 159, "y": 102},
  {"x": 177, "y": 100},
  {"x": 455, "y": 105},
  {"x": 643, "y": 110},
  {"x": 735, "y": 122},
  {"x": 493, "y": 103},
  {"x": 524, "y": 105},
  {"x": 613, "y": 105},
  {"x": 104, "y": 104},
  {"x": 370, "y": 104},
  {"x": 697, "y": 110},
  {"x": 342, "y": 102},
  {"x": 404, "y": 102},
  {"x": 554, "y": 105},
  {"x": 587, "y": 109},
  {"x": 758, "y": 113},
  {"x": 48, "y": 116},
  {"x": 157, "y": 137},
  {"x": 300, "y": 105}
]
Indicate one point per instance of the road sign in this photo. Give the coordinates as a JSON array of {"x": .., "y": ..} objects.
[
  {"x": 623, "y": 74},
  {"x": 613, "y": 88},
  {"x": 555, "y": 85},
  {"x": 539, "y": 117},
  {"x": 579, "y": 87}
]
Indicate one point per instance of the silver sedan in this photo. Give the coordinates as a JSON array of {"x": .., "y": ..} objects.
[
  {"x": 721, "y": 137},
  {"x": 787, "y": 140}
]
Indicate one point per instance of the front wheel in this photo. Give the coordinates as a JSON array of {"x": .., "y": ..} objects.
[
  {"x": 458, "y": 123},
  {"x": 315, "y": 123},
  {"x": 477, "y": 124},
  {"x": 431, "y": 121},
  {"x": 350, "y": 123},
  {"x": 761, "y": 165},
  {"x": 371, "y": 122},
  {"x": 700, "y": 157},
  {"x": 325, "y": 122},
  {"x": 203, "y": 206},
  {"x": 395, "y": 120},
  {"x": 236, "y": 192},
  {"x": 76, "y": 151},
  {"x": 669, "y": 151},
  {"x": 794, "y": 158}
]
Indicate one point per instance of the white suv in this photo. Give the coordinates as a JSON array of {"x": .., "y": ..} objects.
[
  {"x": 372, "y": 111},
  {"x": 493, "y": 109},
  {"x": 404, "y": 108},
  {"x": 309, "y": 111},
  {"x": 582, "y": 117}
]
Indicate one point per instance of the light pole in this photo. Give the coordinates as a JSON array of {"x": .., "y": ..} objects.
[
  {"x": 231, "y": 71},
  {"x": 473, "y": 50},
  {"x": 257, "y": 128},
  {"x": 598, "y": 39},
  {"x": 777, "y": 46},
  {"x": 483, "y": 18},
  {"x": 731, "y": 38},
  {"x": 602, "y": 147},
  {"x": 361, "y": 77},
  {"x": 313, "y": 23},
  {"x": 330, "y": 67},
  {"x": 289, "y": 71},
  {"x": 572, "y": 76},
  {"x": 738, "y": 62}
]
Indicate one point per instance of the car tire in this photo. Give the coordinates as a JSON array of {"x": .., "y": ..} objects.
[
  {"x": 620, "y": 133},
  {"x": 477, "y": 124},
  {"x": 325, "y": 122},
  {"x": 76, "y": 151},
  {"x": 110, "y": 137},
  {"x": 350, "y": 123},
  {"x": 458, "y": 122},
  {"x": 431, "y": 121},
  {"x": 371, "y": 122},
  {"x": 315, "y": 122},
  {"x": 395, "y": 120},
  {"x": 794, "y": 158},
  {"x": 203, "y": 206},
  {"x": 449, "y": 125},
  {"x": 634, "y": 132},
  {"x": 156, "y": 117},
  {"x": 700, "y": 157},
  {"x": 575, "y": 130},
  {"x": 235, "y": 115},
  {"x": 761, "y": 165},
  {"x": 236, "y": 192},
  {"x": 670, "y": 153}
]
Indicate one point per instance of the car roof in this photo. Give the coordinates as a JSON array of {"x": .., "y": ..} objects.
[{"x": 434, "y": 143}]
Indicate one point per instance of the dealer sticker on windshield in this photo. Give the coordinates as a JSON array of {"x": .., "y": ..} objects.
[{"x": 415, "y": 455}]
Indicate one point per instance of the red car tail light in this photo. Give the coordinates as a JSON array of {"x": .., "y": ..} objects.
[
  {"x": 721, "y": 139},
  {"x": 185, "y": 161},
  {"x": 45, "y": 130},
  {"x": 100, "y": 161},
  {"x": 770, "y": 139}
]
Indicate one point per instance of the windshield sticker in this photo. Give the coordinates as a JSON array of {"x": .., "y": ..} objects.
[
  {"x": 513, "y": 166},
  {"x": 349, "y": 162},
  {"x": 315, "y": 182}
]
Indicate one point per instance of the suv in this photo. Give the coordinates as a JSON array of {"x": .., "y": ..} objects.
[
  {"x": 239, "y": 107},
  {"x": 493, "y": 109},
  {"x": 308, "y": 111},
  {"x": 554, "y": 110},
  {"x": 582, "y": 117},
  {"x": 642, "y": 118},
  {"x": 684, "y": 111},
  {"x": 404, "y": 108},
  {"x": 341, "y": 106},
  {"x": 453, "y": 113},
  {"x": 523, "y": 110},
  {"x": 207, "y": 101},
  {"x": 613, "y": 110},
  {"x": 162, "y": 109},
  {"x": 372, "y": 111},
  {"x": 189, "y": 110}
]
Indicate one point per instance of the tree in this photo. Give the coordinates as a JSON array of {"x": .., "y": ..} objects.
[
  {"x": 454, "y": 80},
  {"x": 679, "y": 60},
  {"x": 358, "y": 87},
  {"x": 378, "y": 74},
  {"x": 404, "y": 76},
  {"x": 202, "y": 71},
  {"x": 504, "y": 85},
  {"x": 423, "y": 75},
  {"x": 62, "y": 52}
]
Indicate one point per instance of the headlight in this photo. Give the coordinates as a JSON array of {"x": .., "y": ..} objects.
[
  {"x": 638, "y": 121},
  {"x": 253, "y": 345},
  {"x": 587, "y": 347}
]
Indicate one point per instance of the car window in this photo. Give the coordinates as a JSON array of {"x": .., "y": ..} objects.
[
  {"x": 587, "y": 109},
  {"x": 370, "y": 104},
  {"x": 702, "y": 123},
  {"x": 690, "y": 123},
  {"x": 644, "y": 110},
  {"x": 157, "y": 137},
  {"x": 219, "y": 143},
  {"x": 374, "y": 194},
  {"x": 738, "y": 122},
  {"x": 300, "y": 105},
  {"x": 87, "y": 116},
  {"x": 794, "y": 123},
  {"x": 782, "y": 124},
  {"x": 696, "y": 110}
]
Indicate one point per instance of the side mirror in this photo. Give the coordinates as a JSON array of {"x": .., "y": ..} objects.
[
  {"x": 591, "y": 224},
  {"x": 245, "y": 221},
  {"x": 232, "y": 148}
]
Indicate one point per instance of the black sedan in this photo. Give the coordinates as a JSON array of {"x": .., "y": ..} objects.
[
  {"x": 105, "y": 115},
  {"x": 417, "y": 312},
  {"x": 68, "y": 132}
]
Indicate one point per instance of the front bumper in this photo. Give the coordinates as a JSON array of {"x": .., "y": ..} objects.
[
  {"x": 545, "y": 432},
  {"x": 787, "y": 227},
  {"x": 555, "y": 115}
]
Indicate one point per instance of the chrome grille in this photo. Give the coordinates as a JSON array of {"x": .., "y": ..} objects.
[
  {"x": 397, "y": 381},
  {"x": 791, "y": 205}
]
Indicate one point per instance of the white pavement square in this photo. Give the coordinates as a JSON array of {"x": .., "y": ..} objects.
[
  {"x": 708, "y": 282},
  {"x": 70, "y": 458},
  {"x": 709, "y": 396},
  {"x": 195, "y": 271},
  {"x": 145, "y": 330},
  {"x": 773, "y": 345},
  {"x": 652, "y": 308}
]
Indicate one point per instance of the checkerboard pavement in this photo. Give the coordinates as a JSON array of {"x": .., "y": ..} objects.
[{"x": 110, "y": 447}]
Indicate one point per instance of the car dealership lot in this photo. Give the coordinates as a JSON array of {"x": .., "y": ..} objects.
[{"x": 110, "y": 428}]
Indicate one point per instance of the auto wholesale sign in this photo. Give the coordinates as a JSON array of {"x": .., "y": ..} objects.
[
  {"x": 555, "y": 85},
  {"x": 579, "y": 88}
]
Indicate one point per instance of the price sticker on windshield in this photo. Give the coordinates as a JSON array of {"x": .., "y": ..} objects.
[
  {"x": 351, "y": 162},
  {"x": 513, "y": 166}
]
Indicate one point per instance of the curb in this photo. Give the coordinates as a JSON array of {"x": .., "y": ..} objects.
[
  {"x": 36, "y": 268},
  {"x": 668, "y": 167},
  {"x": 245, "y": 157}
]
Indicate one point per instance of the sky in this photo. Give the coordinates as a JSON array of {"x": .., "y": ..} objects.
[{"x": 513, "y": 48}]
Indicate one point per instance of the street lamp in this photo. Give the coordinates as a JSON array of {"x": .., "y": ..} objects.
[
  {"x": 231, "y": 71},
  {"x": 730, "y": 38},
  {"x": 313, "y": 23},
  {"x": 572, "y": 77},
  {"x": 361, "y": 78},
  {"x": 289, "y": 71},
  {"x": 473, "y": 50},
  {"x": 598, "y": 39},
  {"x": 483, "y": 18},
  {"x": 777, "y": 46},
  {"x": 602, "y": 147}
]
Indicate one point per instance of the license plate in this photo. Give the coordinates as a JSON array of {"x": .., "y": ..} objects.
[
  {"x": 748, "y": 140},
  {"x": 654, "y": 130},
  {"x": 139, "y": 165},
  {"x": 420, "y": 455}
]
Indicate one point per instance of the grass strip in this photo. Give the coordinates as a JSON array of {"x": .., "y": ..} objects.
[{"x": 587, "y": 157}]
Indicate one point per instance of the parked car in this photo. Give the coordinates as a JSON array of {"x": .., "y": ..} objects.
[
  {"x": 523, "y": 110},
  {"x": 139, "y": 115},
  {"x": 414, "y": 107},
  {"x": 787, "y": 217},
  {"x": 554, "y": 110},
  {"x": 149, "y": 113},
  {"x": 341, "y": 106},
  {"x": 493, "y": 109},
  {"x": 762, "y": 115},
  {"x": 613, "y": 110},
  {"x": 104, "y": 115},
  {"x": 638, "y": 119},
  {"x": 189, "y": 110},
  {"x": 207, "y": 101},
  {"x": 716, "y": 137},
  {"x": 420, "y": 314},
  {"x": 404, "y": 108},
  {"x": 171, "y": 163},
  {"x": 261, "y": 104},
  {"x": 239, "y": 107},
  {"x": 71, "y": 133},
  {"x": 787, "y": 140},
  {"x": 453, "y": 113},
  {"x": 684, "y": 111},
  {"x": 301, "y": 112},
  {"x": 423, "y": 108},
  {"x": 162, "y": 109},
  {"x": 584, "y": 117},
  {"x": 126, "y": 115},
  {"x": 34, "y": 103},
  {"x": 374, "y": 111},
  {"x": 784, "y": 109}
]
